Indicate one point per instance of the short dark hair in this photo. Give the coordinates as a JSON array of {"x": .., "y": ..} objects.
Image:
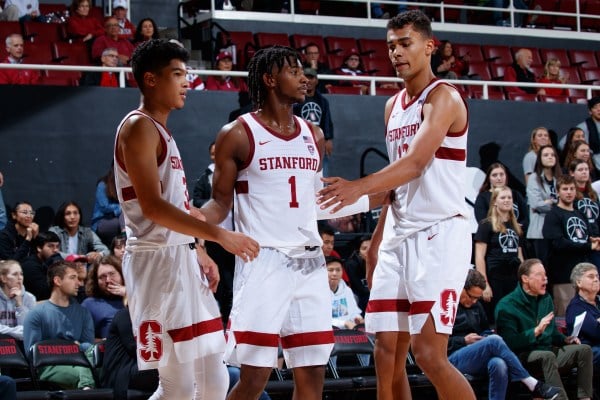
[
  {"x": 45, "y": 237},
  {"x": 593, "y": 101},
  {"x": 564, "y": 180},
  {"x": 59, "y": 269},
  {"x": 154, "y": 55},
  {"x": 331, "y": 259},
  {"x": 525, "y": 267},
  {"x": 475, "y": 279},
  {"x": 326, "y": 229},
  {"x": 416, "y": 18}
]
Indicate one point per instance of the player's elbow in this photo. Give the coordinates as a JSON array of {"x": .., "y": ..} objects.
[{"x": 151, "y": 210}]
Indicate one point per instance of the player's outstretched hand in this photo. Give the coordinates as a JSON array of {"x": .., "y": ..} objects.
[
  {"x": 340, "y": 192},
  {"x": 209, "y": 268},
  {"x": 240, "y": 245}
]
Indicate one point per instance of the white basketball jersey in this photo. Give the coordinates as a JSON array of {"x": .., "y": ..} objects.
[
  {"x": 275, "y": 191},
  {"x": 439, "y": 192},
  {"x": 142, "y": 232}
]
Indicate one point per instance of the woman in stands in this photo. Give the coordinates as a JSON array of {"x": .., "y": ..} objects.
[
  {"x": 82, "y": 25},
  {"x": 565, "y": 143},
  {"x": 145, "y": 31},
  {"x": 15, "y": 302},
  {"x": 16, "y": 239},
  {"x": 225, "y": 82},
  {"x": 552, "y": 75},
  {"x": 446, "y": 64},
  {"x": 496, "y": 177},
  {"x": 539, "y": 137},
  {"x": 580, "y": 150},
  {"x": 105, "y": 290},
  {"x": 107, "y": 220},
  {"x": 541, "y": 196},
  {"x": 498, "y": 248},
  {"x": 75, "y": 238}
]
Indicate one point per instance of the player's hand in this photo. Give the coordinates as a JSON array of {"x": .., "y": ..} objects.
[
  {"x": 572, "y": 340},
  {"x": 93, "y": 256},
  {"x": 339, "y": 192},
  {"x": 240, "y": 245},
  {"x": 116, "y": 289},
  {"x": 487, "y": 293},
  {"x": 544, "y": 322},
  {"x": 472, "y": 338},
  {"x": 196, "y": 213},
  {"x": 209, "y": 268}
]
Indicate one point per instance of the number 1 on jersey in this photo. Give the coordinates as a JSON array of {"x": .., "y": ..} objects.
[{"x": 294, "y": 202}]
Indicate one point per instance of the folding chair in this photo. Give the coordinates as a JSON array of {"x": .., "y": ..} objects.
[{"x": 352, "y": 354}]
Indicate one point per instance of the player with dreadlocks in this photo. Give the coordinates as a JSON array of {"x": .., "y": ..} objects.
[{"x": 272, "y": 161}]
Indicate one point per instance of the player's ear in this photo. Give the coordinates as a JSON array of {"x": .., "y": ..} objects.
[
  {"x": 149, "y": 79},
  {"x": 429, "y": 46},
  {"x": 269, "y": 80}
]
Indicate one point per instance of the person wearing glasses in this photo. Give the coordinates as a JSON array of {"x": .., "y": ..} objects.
[
  {"x": 476, "y": 350},
  {"x": 16, "y": 238},
  {"x": 111, "y": 39},
  {"x": 110, "y": 58},
  {"x": 353, "y": 66}
]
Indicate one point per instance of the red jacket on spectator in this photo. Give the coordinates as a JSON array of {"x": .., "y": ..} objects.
[
  {"x": 553, "y": 91},
  {"x": 124, "y": 47},
  {"x": 18, "y": 76},
  {"x": 79, "y": 26},
  {"x": 227, "y": 84},
  {"x": 127, "y": 30}
]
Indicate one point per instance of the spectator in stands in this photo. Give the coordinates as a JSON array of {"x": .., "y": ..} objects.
[
  {"x": 539, "y": 137},
  {"x": 35, "y": 267},
  {"x": 447, "y": 65},
  {"x": 377, "y": 10},
  {"x": 525, "y": 320},
  {"x": 311, "y": 60},
  {"x": 591, "y": 128},
  {"x": 120, "y": 370},
  {"x": 81, "y": 265},
  {"x": 328, "y": 238},
  {"x": 105, "y": 290},
  {"x": 566, "y": 141},
  {"x": 245, "y": 104},
  {"x": 352, "y": 65},
  {"x": 224, "y": 62},
  {"x": 16, "y": 237},
  {"x": 117, "y": 246},
  {"x": 15, "y": 48},
  {"x": 345, "y": 312},
  {"x": 146, "y": 30},
  {"x": 107, "y": 220},
  {"x": 580, "y": 150},
  {"x": 498, "y": 248},
  {"x": 475, "y": 350},
  {"x": 203, "y": 187},
  {"x": 82, "y": 25},
  {"x": 497, "y": 177},
  {"x": 315, "y": 108},
  {"x": 109, "y": 58},
  {"x": 541, "y": 197},
  {"x": 3, "y": 217},
  {"x": 587, "y": 299},
  {"x": 552, "y": 75},
  {"x": 29, "y": 10},
  {"x": 61, "y": 317},
  {"x": 111, "y": 39},
  {"x": 75, "y": 238},
  {"x": 355, "y": 267},
  {"x": 519, "y": 72},
  {"x": 571, "y": 242},
  {"x": 9, "y": 13},
  {"x": 15, "y": 301},
  {"x": 126, "y": 28}
]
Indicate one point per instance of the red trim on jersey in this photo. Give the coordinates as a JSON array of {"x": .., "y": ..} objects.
[
  {"x": 251, "y": 144},
  {"x": 388, "y": 305},
  {"x": 307, "y": 339},
  {"x": 464, "y": 130},
  {"x": 275, "y": 133},
  {"x": 447, "y": 153},
  {"x": 128, "y": 193},
  {"x": 257, "y": 338},
  {"x": 198, "y": 329},
  {"x": 410, "y": 103},
  {"x": 241, "y": 187}
]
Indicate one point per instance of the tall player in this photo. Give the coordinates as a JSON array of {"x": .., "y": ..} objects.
[
  {"x": 426, "y": 245},
  {"x": 272, "y": 161},
  {"x": 174, "y": 314}
]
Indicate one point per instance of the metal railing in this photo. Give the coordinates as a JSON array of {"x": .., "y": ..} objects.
[{"x": 373, "y": 80}]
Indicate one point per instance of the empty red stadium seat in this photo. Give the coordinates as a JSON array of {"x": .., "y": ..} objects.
[
  {"x": 544, "y": 5},
  {"x": 47, "y": 8},
  {"x": 380, "y": 91},
  {"x": 334, "y": 89},
  {"x": 339, "y": 45},
  {"x": 492, "y": 95},
  {"x": 375, "y": 48},
  {"x": 567, "y": 6},
  {"x": 71, "y": 53},
  {"x": 480, "y": 70},
  {"x": 497, "y": 71},
  {"x": 560, "y": 54},
  {"x": 572, "y": 74},
  {"x": 308, "y": 7},
  {"x": 266, "y": 39},
  {"x": 497, "y": 54},
  {"x": 42, "y": 32},
  {"x": 60, "y": 78},
  {"x": 334, "y": 61},
  {"x": 591, "y": 76},
  {"x": 450, "y": 14},
  {"x": 378, "y": 66},
  {"x": 38, "y": 53},
  {"x": 8, "y": 28},
  {"x": 554, "y": 99},
  {"x": 584, "y": 58},
  {"x": 579, "y": 100},
  {"x": 591, "y": 7},
  {"x": 522, "y": 96},
  {"x": 472, "y": 50}
]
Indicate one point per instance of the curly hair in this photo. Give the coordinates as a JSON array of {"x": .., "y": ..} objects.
[{"x": 92, "y": 288}]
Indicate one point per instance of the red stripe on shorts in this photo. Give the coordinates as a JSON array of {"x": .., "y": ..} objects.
[
  {"x": 257, "y": 338},
  {"x": 307, "y": 339},
  {"x": 192, "y": 331},
  {"x": 392, "y": 305},
  {"x": 421, "y": 307},
  {"x": 447, "y": 153}
]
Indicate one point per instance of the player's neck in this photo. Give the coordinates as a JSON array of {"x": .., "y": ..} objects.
[
  {"x": 279, "y": 118},
  {"x": 418, "y": 83},
  {"x": 155, "y": 110}
]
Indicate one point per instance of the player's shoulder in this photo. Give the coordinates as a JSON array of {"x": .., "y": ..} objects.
[{"x": 445, "y": 90}]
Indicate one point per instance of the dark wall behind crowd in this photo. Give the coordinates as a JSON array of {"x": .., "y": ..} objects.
[{"x": 55, "y": 142}]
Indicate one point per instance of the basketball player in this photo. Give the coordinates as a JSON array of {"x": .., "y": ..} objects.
[
  {"x": 426, "y": 246},
  {"x": 175, "y": 316},
  {"x": 272, "y": 160}
]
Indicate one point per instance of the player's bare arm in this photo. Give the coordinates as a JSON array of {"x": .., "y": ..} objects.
[
  {"x": 443, "y": 112},
  {"x": 138, "y": 147},
  {"x": 233, "y": 150}
]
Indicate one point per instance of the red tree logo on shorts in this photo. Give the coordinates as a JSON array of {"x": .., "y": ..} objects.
[
  {"x": 448, "y": 303},
  {"x": 150, "y": 341}
]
